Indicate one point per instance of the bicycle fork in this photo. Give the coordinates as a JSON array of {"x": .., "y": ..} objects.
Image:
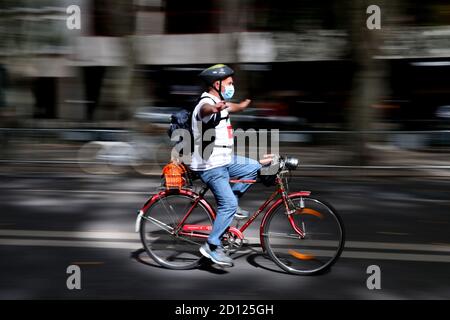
[
  {"x": 300, "y": 231},
  {"x": 290, "y": 212}
]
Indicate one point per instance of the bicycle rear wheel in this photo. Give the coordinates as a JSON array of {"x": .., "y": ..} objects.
[
  {"x": 321, "y": 246},
  {"x": 167, "y": 247}
]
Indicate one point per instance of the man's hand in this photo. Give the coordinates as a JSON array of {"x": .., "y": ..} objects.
[
  {"x": 208, "y": 109},
  {"x": 244, "y": 104},
  {"x": 236, "y": 107}
]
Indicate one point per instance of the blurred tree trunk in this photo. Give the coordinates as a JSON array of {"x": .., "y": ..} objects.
[
  {"x": 115, "y": 18},
  {"x": 368, "y": 75},
  {"x": 233, "y": 21}
]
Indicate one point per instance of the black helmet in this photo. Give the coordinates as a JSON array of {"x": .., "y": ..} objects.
[{"x": 217, "y": 72}]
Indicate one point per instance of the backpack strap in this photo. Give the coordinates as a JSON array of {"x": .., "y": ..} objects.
[
  {"x": 200, "y": 99},
  {"x": 212, "y": 123}
]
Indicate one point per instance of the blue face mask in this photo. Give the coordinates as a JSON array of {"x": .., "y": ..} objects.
[{"x": 229, "y": 92}]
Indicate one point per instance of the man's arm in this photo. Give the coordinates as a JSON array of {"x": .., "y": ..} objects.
[
  {"x": 237, "y": 107},
  {"x": 209, "y": 109}
]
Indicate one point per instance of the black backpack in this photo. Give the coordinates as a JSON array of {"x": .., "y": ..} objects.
[{"x": 183, "y": 120}]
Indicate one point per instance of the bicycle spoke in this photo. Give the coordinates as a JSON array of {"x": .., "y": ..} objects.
[
  {"x": 321, "y": 245},
  {"x": 160, "y": 224},
  {"x": 170, "y": 212},
  {"x": 190, "y": 241},
  {"x": 162, "y": 240},
  {"x": 304, "y": 242},
  {"x": 282, "y": 235}
]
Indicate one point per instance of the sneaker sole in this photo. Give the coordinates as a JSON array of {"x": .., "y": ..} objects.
[{"x": 207, "y": 255}]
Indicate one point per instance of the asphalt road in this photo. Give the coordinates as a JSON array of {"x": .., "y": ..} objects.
[{"x": 51, "y": 221}]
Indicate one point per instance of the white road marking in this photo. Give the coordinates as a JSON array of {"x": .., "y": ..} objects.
[
  {"x": 116, "y": 235},
  {"x": 396, "y": 256},
  {"x": 84, "y": 242},
  {"x": 84, "y": 191},
  {"x": 398, "y": 246},
  {"x": 136, "y": 246},
  {"x": 71, "y": 234},
  {"x": 70, "y": 243},
  {"x": 393, "y": 233}
]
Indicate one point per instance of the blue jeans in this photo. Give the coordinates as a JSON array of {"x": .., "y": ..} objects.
[{"x": 227, "y": 196}]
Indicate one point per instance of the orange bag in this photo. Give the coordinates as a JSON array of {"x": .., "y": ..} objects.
[{"x": 174, "y": 175}]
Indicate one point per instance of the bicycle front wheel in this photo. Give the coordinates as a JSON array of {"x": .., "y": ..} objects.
[
  {"x": 171, "y": 247},
  {"x": 323, "y": 236}
]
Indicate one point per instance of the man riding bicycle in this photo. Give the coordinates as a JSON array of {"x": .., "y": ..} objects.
[
  {"x": 301, "y": 234},
  {"x": 216, "y": 164}
]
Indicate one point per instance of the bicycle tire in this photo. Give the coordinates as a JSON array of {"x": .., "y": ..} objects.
[
  {"x": 200, "y": 212},
  {"x": 281, "y": 258}
]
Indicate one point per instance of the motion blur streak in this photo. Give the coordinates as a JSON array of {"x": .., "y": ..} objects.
[
  {"x": 84, "y": 114},
  {"x": 301, "y": 256}
]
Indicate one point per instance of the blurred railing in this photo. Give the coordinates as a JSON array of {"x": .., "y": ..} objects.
[{"x": 324, "y": 149}]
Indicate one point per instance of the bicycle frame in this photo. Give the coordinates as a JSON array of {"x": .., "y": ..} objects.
[{"x": 190, "y": 229}]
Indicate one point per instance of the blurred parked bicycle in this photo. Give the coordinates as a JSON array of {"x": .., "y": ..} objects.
[{"x": 144, "y": 149}]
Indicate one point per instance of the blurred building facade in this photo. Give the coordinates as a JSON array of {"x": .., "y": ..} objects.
[{"x": 316, "y": 58}]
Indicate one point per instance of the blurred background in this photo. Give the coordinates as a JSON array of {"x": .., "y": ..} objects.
[
  {"x": 84, "y": 114},
  {"x": 341, "y": 95}
]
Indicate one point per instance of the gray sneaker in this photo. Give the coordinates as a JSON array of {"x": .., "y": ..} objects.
[
  {"x": 217, "y": 256},
  {"x": 241, "y": 214}
]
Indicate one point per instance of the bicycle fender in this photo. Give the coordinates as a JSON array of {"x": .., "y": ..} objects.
[{"x": 137, "y": 227}]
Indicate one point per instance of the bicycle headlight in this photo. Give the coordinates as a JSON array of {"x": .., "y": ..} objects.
[{"x": 290, "y": 163}]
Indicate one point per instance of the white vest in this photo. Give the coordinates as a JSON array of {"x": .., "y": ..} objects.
[{"x": 223, "y": 133}]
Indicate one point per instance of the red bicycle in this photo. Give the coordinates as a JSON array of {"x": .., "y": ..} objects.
[{"x": 301, "y": 234}]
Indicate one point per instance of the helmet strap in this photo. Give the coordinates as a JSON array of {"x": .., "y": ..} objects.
[{"x": 220, "y": 90}]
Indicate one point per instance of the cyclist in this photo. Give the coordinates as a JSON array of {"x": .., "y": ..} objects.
[{"x": 215, "y": 163}]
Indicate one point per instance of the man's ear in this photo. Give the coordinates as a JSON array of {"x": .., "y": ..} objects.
[{"x": 216, "y": 85}]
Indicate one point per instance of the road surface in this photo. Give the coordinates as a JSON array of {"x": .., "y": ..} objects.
[{"x": 51, "y": 221}]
